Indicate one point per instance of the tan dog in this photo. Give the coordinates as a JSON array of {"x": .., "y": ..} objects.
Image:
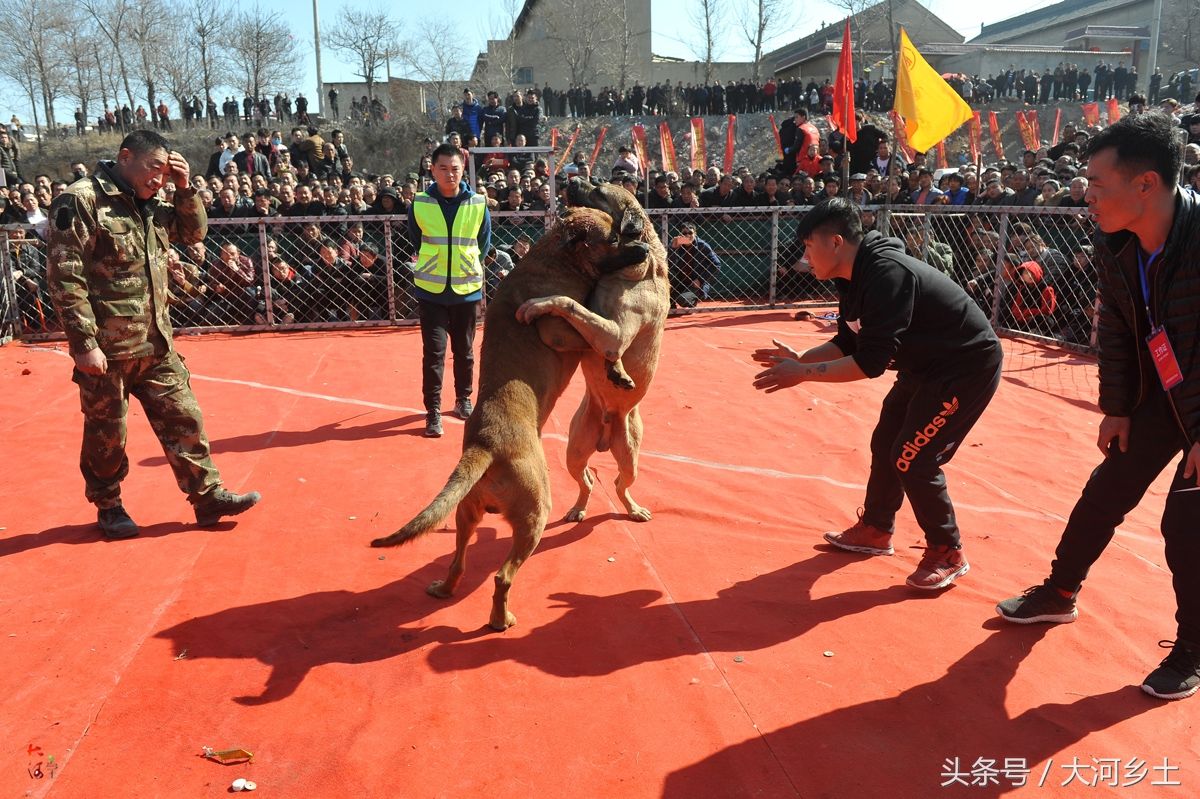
[
  {"x": 623, "y": 325},
  {"x": 523, "y": 371}
]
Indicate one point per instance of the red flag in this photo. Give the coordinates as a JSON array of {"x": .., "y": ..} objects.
[
  {"x": 775, "y": 130},
  {"x": 639, "y": 147},
  {"x": 698, "y": 143},
  {"x": 668, "y": 146},
  {"x": 994, "y": 129},
  {"x": 596, "y": 151},
  {"x": 901, "y": 135},
  {"x": 729, "y": 143},
  {"x": 1035, "y": 128},
  {"x": 553, "y": 141},
  {"x": 1057, "y": 122},
  {"x": 974, "y": 137},
  {"x": 1091, "y": 113},
  {"x": 941, "y": 155},
  {"x": 569, "y": 150},
  {"x": 1114, "y": 111},
  {"x": 842, "y": 117}
]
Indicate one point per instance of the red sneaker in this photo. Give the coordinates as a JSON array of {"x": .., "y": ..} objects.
[
  {"x": 939, "y": 567},
  {"x": 862, "y": 537}
]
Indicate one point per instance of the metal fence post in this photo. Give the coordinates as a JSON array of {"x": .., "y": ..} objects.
[
  {"x": 10, "y": 311},
  {"x": 774, "y": 272},
  {"x": 925, "y": 236},
  {"x": 266, "y": 270},
  {"x": 389, "y": 259},
  {"x": 1001, "y": 262}
]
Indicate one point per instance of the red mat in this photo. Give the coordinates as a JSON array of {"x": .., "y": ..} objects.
[{"x": 720, "y": 650}]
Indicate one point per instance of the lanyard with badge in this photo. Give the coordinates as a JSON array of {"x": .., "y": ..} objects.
[{"x": 1161, "y": 352}]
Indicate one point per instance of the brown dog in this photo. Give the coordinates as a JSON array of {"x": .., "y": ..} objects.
[
  {"x": 623, "y": 326},
  {"x": 523, "y": 371}
]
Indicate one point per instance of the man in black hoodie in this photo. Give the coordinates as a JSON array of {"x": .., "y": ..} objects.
[{"x": 896, "y": 312}]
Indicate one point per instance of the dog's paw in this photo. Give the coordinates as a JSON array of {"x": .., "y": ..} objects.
[
  {"x": 618, "y": 377},
  {"x": 576, "y": 514},
  {"x": 500, "y": 626},
  {"x": 639, "y": 514},
  {"x": 439, "y": 589}
]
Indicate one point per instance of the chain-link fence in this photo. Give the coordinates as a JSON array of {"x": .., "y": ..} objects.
[{"x": 1030, "y": 269}]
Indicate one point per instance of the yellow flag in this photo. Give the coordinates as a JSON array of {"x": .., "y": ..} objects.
[{"x": 932, "y": 110}]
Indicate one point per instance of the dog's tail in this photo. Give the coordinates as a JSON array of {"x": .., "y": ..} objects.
[{"x": 474, "y": 462}]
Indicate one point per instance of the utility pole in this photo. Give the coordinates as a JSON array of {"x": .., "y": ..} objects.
[
  {"x": 320, "y": 99},
  {"x": 1155, "y": 30}
]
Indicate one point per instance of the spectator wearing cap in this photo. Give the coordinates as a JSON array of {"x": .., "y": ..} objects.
[
  {"x": 857, "y": 193},
  {"x": 926, "y": 193},
  {"x": 995, "y": 193}
]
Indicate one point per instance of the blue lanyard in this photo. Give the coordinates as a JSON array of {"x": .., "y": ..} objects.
[{"x": 1143, "y": 266}]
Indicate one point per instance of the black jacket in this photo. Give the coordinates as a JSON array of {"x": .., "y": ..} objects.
[
  {"x": 899, "y": 313},
  {"x": 1126, "y": 369}
]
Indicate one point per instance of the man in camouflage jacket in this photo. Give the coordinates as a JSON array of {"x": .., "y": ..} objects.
[{"x": 108, "y": 278}]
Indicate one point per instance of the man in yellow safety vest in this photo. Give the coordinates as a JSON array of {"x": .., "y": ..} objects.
[{"x": 454, "y": 229}]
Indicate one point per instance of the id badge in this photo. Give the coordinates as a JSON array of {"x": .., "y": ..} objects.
[{"x": 1169, "y": 373}]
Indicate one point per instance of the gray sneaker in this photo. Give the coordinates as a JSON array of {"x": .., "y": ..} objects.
[
  {"x": 433, "y": 424},
  {"x": 116, "y": 524},
  {"x": 462, "y": 408},
  {"x": 1042, "y": 603},
  {"x": 220, "y": 502}
]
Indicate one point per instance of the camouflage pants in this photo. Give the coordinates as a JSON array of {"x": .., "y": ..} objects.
[{"x": 162, "y": 384}]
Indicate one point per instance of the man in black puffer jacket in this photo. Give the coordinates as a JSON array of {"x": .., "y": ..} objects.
[{"x": 1149, "y": 271}]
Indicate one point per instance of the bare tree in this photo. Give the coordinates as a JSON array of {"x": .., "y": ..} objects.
[
  {"x": 112, "y": 18},
  {"x": 864, "y": 15},
  {"x": 368, "y": 38},
  {"x": 709, "y": 18},
  {"x": 433, "y": 56},
  {"x": 146, "y": 32},
  {"x": 263, "y": 51},
  {"x": 583, "y": 35},
  {"x": 760, "y": 22},
  {"x": 84, "y": 82},
  {"x": 207, "y": 24},
  {"x": 502, "y": 44},
  {"x": 33, "y": 28},
  {"x": 180, "y": 70}
]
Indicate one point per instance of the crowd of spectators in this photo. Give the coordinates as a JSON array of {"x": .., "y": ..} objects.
[{"x": 330, "y": 264}]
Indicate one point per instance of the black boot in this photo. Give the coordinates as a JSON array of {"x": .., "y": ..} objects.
[
  {"x": 116, "y": 524},
  {"x": 220, "y": 502}
]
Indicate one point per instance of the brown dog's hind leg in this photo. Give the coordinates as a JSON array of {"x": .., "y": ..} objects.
[
  {"x": 625, "y": 447},
  {"x": 466, "y": 519},
  {"x": 581, "y": 443},
  {"x": 527, "y": 514}
]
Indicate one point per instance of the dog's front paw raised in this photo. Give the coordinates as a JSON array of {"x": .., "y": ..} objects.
[
  {"x": 619, "y": 377},
  {"x": 536, "y": 308}
]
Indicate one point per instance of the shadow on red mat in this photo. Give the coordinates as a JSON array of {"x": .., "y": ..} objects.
[
  {"x": 748, "y": 616},
  {"x": 898, "y": 746},
  {"x": 282, "y": 439},
  {"x": 90, "y": 534}
]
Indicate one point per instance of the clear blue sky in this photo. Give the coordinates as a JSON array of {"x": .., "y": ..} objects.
[{"x": 672, "y": 31}]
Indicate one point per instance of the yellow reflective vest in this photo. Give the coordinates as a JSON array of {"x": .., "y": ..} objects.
[{"x": 449, "y": 254}]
